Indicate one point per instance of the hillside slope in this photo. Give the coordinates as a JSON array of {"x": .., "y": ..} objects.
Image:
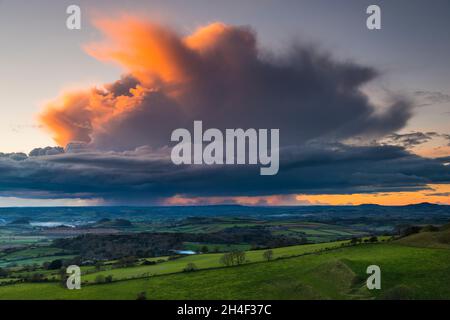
[
  {"x": 437, "y": 239},
  {"x": 407, "y": 272}
]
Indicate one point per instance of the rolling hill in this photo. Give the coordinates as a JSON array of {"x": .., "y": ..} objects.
[{"x": 408, "y": 272}]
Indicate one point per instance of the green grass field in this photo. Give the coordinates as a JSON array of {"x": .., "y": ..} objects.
[
  {"x": 205, "y": 261},
  {"x": 408, "y": 272}
]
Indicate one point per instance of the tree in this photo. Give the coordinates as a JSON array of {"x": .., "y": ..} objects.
[
  {"x": 36, "y": 277},
  {"x": 108, "y": 278},
  {"x": 239, "y": 256},
  {"x": 204, "y": 249},
  {"x": 268, "y": 255},
  {"x": 373, "y": 239},
  {"x": 355, "y": 240},
  {"x": 232, "y": 258},
  {"x": 98, "y": 265},
  {"x": 3, "y": 273},
  {"x": 63, "y": 277},
  {"x": 190, "y": 267},
  {"x": 227, "y": 259}
]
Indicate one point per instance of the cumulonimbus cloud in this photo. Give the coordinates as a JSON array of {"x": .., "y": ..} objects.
[
  {"x": 220, "y": 75},
  {"x": 117, "y": 132}
]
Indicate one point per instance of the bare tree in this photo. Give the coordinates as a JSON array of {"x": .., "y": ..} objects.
[{"x": 268, "y": 255}]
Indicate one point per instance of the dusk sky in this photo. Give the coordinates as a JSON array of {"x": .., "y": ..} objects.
[{"x": 363, "y": 114}]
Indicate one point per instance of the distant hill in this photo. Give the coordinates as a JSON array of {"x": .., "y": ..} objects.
[
  {"x": 437, "y": 239},
  {"x": 105, "y": 222},
  {"x": 424, "y": 205}
]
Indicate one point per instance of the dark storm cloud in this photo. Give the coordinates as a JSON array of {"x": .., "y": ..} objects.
[
  {"x": 147, "y": 176},
  {"x": 117, "y": 135},
  {"x": 221, "y": 76}
]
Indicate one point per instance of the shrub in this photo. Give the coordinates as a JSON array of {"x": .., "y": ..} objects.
[
  {"x": 400, "y": 292},
  {"x": 141, "y": 296},
  {"x": 55, "y": 265},
  {"x": 100, "y": 279},
  {"x": 430, "y": 228}
]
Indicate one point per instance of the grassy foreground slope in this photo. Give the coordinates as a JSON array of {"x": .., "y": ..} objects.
[
  {"x": 407, "y": 272},
  {"x": 207, "y": 261}
]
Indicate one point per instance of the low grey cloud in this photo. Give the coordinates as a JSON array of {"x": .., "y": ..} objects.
[
  {"x": 47, "y": 151},
  {"x": 439, "y": 194},
  {"x": 145, "y": 176},
  {"x": 412, "y": 139},
  {"x": 429, "y": 98}
]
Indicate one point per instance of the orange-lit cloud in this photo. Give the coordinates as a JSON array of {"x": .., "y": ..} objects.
[
  {"x": 153, "y": 55},
  {"x": 433, "y": 152},
  {"x": 74, "y": 116},
  {"x": 147, "y": 51},
  {"x": 216, "y": 74}
]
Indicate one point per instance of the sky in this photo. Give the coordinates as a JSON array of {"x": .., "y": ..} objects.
[{"x": 396, "y": 102}]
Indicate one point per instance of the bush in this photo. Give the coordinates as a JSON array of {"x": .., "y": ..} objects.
[
  {"x": 36, "y": 277},
  {"x": 141, "y": 296},
  {"x": 127, "y": 261},
  {"x": 407, "y": 230},
  {"x": 55, "y": 265},
  {"x": 100, "y": 279}
]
